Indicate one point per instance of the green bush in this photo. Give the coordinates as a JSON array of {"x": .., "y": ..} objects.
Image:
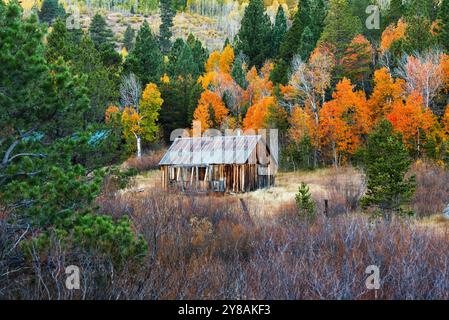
[
  {"x": 386, "y": 161},
  {"x": 304, "y": 202}
]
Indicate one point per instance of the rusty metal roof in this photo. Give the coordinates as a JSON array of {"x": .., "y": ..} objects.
[{"x": 210, "y": 150}]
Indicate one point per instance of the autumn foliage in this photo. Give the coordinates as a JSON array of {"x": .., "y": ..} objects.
[
  {"x": 391, "y": 34},
  {"x": 357, "y": 59},
  {"x": 413, "y": 120},
  {"x": 111, "y": 114},
  {"x": 344, "y": 120},
  {"x": 211, "y": 111},
  {"x": 386, "y": 92},
  {"x": 302, "y": 124},
  {"x": 257, "y": 114}
]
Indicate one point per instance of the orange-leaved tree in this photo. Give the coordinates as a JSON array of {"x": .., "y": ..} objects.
[
  {"x": 414, "y": 121},
  {"x": 226, "y": 59},
  {"x": 392, "y": 33},
  {"x": 259, "y": 84},
  {"x": 343, "y": 121},
  {"x": 302, "y": 124},
  {"x": 308, "y": 83},
  {"x": 218, "y": 79},
  {"x": 387, "y": 91},
  {"x": 218, "y": 66},
  {"x": 211, "y": 111},
  {"x": 256, "y": 116},
  {"x": 445, "y": 123},
  {"x": 112, "y": 115}
]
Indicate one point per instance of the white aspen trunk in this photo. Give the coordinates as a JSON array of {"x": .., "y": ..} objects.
[{"x": 139, "y": 146}]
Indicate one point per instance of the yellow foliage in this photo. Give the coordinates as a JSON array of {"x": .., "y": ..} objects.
[
  {"x": 110, "y": 113},
  {"x": 391, "y": 34},
  {"x": 131, "y": 122},
  {"x": 124, "y": 53},
  {"x": 165, "y": 79},
  {"x": 213, "y": 62},
  {"x": 226, "y": 59}
]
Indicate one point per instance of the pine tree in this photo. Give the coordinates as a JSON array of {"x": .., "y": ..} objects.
[
  {"x": 37, "y": 94},
  {"x": 279, "y": 30},
  {"x": 280, "y": 72},
  {"x": 254, "y": 36},
  {"x": 238, "y": 71},
  {"x": 76, "y": 35},
  {"x": 180, "y": 96},
  {"x": 304, "y": 202},
  {"x": 395, "y": 12},
  {"x": 386, "y": 162},
  {"x": 59, "y": 43},
  {"x": 165, "y": 33},
  {"x": 145, "y": 60},
  {"x": 319, "y": 11},
  {"x": 307, "y": 43},
  {"x": 443, "y": 25},
  {"x": 291, "y": 43},
  {"x": 48, "y": 100},
  {"x": 50, "y": 11},
  {"x": 101, "y": 81},
  {"x": 23, "y": 70},
  {"x": 102, "y": 37},
  {"x": 358, "y": 9},
  {"x": 173, "y": 55},
  {"x": 420, "y": 8},
  {"x": 99, "y": 31},
  {"x": 200, "y": 54},
  {"x": 128, "y": 38},
  {"x": 418, "y": 36},
  {"x": 182, "y": 62},
  {"x": 308, "y": 16},
  {"x": 341, "y": 26}
]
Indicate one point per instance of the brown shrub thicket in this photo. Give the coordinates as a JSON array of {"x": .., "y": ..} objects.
[
  {"x": 432, "y": 188},
  {"x": 146, "y": 162},
  {"x": 205, "y": 247},
  {"x": 345, "y": 188}
]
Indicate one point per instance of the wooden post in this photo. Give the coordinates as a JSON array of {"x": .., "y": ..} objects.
[
  {"x": 326, "y": 207},
  {"x": 197, "y": 177}
]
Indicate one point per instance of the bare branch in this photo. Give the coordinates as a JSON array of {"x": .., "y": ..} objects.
[{"x": 130, "y": 91}]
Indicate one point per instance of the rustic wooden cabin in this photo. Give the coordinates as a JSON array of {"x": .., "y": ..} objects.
[{"x": 221, "y": 164}]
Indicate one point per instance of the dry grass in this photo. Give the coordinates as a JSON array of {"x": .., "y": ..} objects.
[
  {"x": 432, "y": 192},
  {"x": 437, "y": 223},
  {"x": 342, "y": 187},
  {"x": 250, "y": 246},
  {"x": 216, "y": 247},
  {"x": 208, "y": 248}
]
